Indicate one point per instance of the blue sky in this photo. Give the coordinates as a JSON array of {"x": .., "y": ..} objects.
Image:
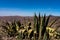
[{"x": 29, "y": 7}]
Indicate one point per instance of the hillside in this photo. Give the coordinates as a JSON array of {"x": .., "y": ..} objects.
[{"x": 23, "y": 20}]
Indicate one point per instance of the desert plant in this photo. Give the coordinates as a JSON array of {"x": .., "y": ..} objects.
[
  {"x": 40, "y": 25},
  {"x": 12, "y": 28}
]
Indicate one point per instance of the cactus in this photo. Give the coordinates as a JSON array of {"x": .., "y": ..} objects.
[
  {"x": 41, "y": 24},
  {"x": 19, "y": 36},
  {"x": 35, "y": 20},
  {"x": 11, "y": 28}
]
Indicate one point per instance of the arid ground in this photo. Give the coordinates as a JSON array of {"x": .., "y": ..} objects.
[{"x": 24, "y": 20}]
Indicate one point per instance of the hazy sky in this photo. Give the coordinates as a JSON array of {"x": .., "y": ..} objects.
[{"x": 29, "y": 7}]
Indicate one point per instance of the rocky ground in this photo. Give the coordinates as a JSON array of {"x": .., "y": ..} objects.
[{"x": 24, "y": 20}]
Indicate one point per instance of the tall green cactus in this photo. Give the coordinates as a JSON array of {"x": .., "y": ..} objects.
[
  {"x": 35, "y": 21},
  {"x": 41, "y": 24}
]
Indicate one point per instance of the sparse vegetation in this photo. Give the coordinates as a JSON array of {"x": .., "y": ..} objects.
[{"x": 40, "y": 31}]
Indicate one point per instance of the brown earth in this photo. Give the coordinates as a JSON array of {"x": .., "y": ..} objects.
[{"x": 23, "y": 20}]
